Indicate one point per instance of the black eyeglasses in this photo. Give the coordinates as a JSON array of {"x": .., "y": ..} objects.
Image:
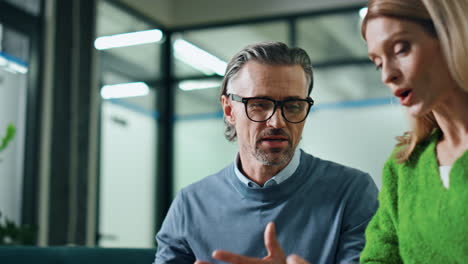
[{"x": 260, "y": 109}]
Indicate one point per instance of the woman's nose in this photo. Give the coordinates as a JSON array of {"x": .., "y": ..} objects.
[{"x": 390, "y": 73}]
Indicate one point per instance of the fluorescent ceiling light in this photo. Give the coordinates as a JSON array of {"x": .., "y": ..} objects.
[
  {"x": 199, "y": 84},
  {"x": 198, "y": 58},
  {"x": 17, "y": 68},
  {"x": 363, "y": 12},
  {"x": 3, "y": 61},
  {"x": 128, "y": 39},
  {"x": 124, "y": 90},
  {"x": 13, "y": 66}
]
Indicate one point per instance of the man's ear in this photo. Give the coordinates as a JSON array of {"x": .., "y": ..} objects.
[{"x": 227, "y": 109}]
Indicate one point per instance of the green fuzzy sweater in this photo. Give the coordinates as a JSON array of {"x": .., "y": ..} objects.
[{"x": 419, "y": 220}]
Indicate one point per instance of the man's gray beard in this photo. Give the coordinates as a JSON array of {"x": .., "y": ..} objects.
[{"x": 266, "y": 157}]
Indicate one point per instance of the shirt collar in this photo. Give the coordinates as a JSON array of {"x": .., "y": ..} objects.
[{"x": 283, "y": 175}]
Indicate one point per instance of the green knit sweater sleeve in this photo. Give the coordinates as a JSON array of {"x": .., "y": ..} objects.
[{"x": 381, "y": 233}]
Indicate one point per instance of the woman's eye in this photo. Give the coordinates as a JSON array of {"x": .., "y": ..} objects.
[
  {"x": 378, "y": 64},
  {"x": 401, "y": 47}
]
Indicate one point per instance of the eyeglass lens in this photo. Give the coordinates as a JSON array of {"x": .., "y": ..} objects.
[{"x": 262, "y": 109}]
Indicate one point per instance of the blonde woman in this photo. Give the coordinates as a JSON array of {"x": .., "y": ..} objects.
[{"x": 420, "y": 48}]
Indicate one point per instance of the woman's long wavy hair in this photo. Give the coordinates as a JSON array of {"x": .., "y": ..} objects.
[{"x": 446, "y": 20}]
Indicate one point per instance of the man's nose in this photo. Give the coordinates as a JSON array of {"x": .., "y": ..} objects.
[{"x": 277, "y": 119}]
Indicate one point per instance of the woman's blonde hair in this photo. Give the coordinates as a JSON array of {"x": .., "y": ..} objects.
[{"x": 447, "y": 20}]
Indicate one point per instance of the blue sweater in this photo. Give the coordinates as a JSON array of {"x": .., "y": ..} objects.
[{"x": 320, "y": 213}]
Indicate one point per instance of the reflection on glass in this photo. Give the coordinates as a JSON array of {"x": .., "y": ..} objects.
[
  {"x": 189, "y": 85},
  {"x": 347, "y": 83},
  {"x": 31, "y": 6},
  {"x": 200, "y": 148},
  {"x": 137, "y": 62},
  {"x": 223, "y": 43},
  {"x": 197, "y": 58},
  {"x": 332, "y": 37},
  {"x": 128, "y": 39},
  {"x": 11, "y": 64},
  {"x": 146, "y": 102},
  {"x": 195, "y": 97},
  {"x": 123, "y": 90},
  {"x": 14, "y": 46}
]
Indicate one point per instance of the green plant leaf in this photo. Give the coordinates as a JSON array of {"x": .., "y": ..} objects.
[
  {"x": 10, "y": 134},
  {"x": 14, "y": 234}
]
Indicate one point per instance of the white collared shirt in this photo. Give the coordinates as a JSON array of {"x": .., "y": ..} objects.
[{"x": 283, "y": 175}]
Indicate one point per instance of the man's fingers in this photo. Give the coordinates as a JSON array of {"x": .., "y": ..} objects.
[
  {"x": 271, "y": 243},
  {"x": 294, "y": 259},
  {"x": 201, "y": 262},
  {"x": 234, "y": 258},
  {"x": 273, "y": 248}
]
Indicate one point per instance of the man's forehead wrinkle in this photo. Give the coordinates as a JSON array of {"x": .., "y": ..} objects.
[
  {"x": 256, "y": 77},
  {"x": 265, "y": 74}
]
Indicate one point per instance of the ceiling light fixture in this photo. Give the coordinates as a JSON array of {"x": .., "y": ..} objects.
[
  {"x": 17, "y": 67},
  {"x": 128, "y": 39},
  {"x": 198, "y": 58},
  {"x": 122, "y": 90},
  {"x": 199, "y": 84},
  {"x": 12, "y": 66},
  {"x": 3, "y": 61}
]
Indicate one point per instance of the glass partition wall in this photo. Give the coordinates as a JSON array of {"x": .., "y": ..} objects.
[
  {"x": 20, "y": 86},
  {"x": 129, "y": 88},
  {"x": 349, "y": 98},
  {"x": 14, "y": 67}
]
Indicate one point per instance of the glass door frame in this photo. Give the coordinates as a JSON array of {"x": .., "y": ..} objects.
[{"x": 32, "y": 27}]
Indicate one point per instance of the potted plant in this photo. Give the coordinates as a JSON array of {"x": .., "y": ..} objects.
[{"x": 10, "y": 232}]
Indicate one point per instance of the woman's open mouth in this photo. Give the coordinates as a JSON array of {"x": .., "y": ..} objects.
[{"x": 405, "y": 96}]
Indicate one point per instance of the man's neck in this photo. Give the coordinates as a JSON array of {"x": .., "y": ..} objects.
[{"x": 257, "y": 171}]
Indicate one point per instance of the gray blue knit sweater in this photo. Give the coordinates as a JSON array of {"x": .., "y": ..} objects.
[{"x": 320, "y": 213}]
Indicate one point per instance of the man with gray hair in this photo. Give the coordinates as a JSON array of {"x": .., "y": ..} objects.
[{"x": 320, "y": 208}]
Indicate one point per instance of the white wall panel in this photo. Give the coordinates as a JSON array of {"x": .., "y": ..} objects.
[
  {"x": 12, "y": 110},
  {"x": 127, "y": 185}
]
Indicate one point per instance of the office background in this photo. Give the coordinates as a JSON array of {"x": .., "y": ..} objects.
[{"x": 93, "y": 166}]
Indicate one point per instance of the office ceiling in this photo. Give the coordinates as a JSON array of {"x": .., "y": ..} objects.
[{"x": 180, "y": 13}]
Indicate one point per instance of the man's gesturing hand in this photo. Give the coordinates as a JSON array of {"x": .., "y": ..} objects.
[{"x": 275, "y": 253}]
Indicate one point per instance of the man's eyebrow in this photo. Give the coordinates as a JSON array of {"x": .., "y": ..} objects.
[
  {"x": 285, "y": 98},
  {"x": 260, "y": 96},
  {"x": 293, "y": 97}
]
